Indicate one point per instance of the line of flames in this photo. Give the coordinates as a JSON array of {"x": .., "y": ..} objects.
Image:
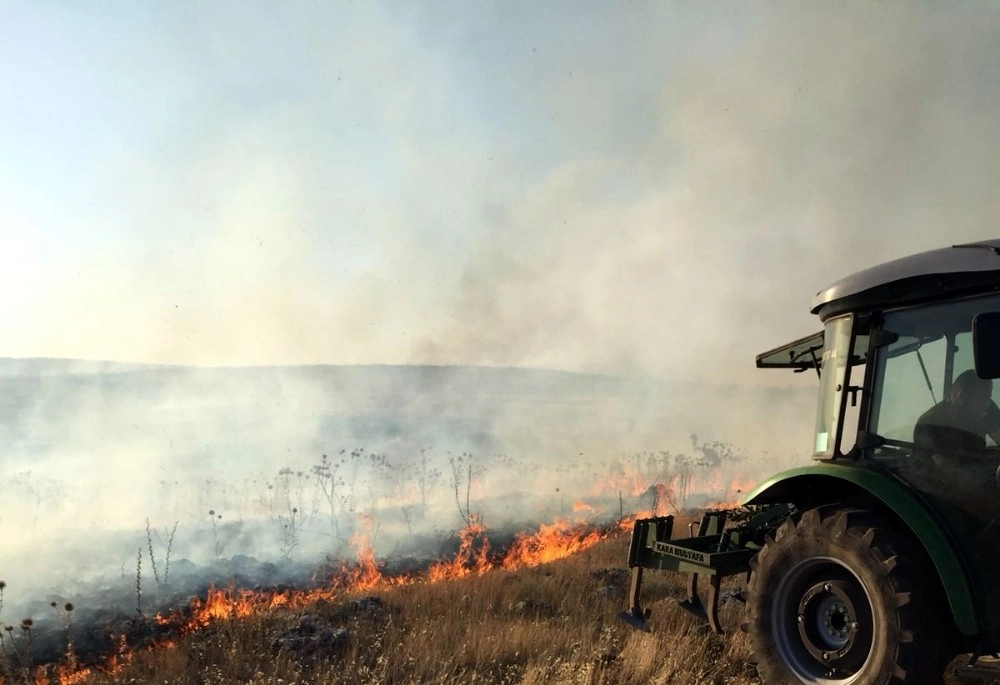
[{"x": 553, "y": 541}]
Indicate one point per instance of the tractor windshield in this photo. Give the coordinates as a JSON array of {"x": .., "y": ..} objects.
[{"x": 845, "y": 345}]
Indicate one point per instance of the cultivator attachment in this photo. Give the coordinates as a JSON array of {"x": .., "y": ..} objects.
[{"x": 714, "y": 552}]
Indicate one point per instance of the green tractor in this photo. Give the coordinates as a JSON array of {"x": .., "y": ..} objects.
[{"x": 879, "y": 562}]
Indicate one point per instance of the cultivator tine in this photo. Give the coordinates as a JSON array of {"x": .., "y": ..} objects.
[
  {"x": 636, "y": 616},
  {"x": 693, "y": 603},
  {"x": 713, "y": 604}
]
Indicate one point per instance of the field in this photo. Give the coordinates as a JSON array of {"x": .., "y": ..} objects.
[
  {"x": 506, "y": 617},
  {"x": 549, "y": 622}
]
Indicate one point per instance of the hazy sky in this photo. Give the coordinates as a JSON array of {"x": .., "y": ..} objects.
[{"x": 636, "y": 187}]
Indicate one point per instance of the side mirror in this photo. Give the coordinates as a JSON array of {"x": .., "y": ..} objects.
[{"x": 986, "y": 344}]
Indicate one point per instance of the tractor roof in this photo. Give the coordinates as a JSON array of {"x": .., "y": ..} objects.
[{"x": 946, "y": 272}]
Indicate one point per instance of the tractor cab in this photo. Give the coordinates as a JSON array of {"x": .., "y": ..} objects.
[{"x": 905, "y": 374}]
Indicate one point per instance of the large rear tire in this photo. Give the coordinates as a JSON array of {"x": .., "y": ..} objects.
[{"x": 844, "y": 597}]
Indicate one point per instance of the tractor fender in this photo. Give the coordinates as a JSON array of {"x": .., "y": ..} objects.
[{"x": 825, "y": 482}]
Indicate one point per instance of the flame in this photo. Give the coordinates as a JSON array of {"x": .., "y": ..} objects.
[
  {"x": 366, "y": 574},
  {"x": 467, "y": 560},
  {"x": 70, "y": 675},
  {"x": 220, "y": 605},
  {"x": 555, "y": 541}
]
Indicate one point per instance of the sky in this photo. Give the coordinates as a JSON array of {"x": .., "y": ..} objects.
[{"x": 639, "y": 188}]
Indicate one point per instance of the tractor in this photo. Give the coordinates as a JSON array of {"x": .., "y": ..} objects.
[{"x": 878, "y": 561}]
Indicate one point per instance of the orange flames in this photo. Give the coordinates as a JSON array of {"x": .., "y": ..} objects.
[
  {"x": 474, "y": 557},
  {"x": 69, "y": 675},
  {"x": 468, "y": 560},
  {"x": 366, "y": 574},
  {"x": 553, "y": 541}
]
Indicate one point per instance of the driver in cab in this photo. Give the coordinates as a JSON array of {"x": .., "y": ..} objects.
[{"x": 960, "y": 423}]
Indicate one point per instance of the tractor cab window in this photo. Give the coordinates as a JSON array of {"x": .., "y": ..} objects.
[
  {"x": 924, "y": 353},
  {"x": 933, "y": 421},
  {"x": 913, "y": 381}
]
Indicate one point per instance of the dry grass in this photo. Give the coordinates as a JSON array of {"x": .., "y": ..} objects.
[{"x": 549, "y": 624}]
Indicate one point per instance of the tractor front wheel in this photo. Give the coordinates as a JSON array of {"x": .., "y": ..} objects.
[{"x": 844, "y": 597}]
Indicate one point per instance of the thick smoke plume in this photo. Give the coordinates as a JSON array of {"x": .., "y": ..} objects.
[{"x": 645, "y": 190}]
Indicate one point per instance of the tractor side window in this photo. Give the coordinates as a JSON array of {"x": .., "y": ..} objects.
[{"x": 912, "y": 383}]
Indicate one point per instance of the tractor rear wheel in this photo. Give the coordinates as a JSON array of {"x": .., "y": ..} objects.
[{"x": 844, "y": 597}]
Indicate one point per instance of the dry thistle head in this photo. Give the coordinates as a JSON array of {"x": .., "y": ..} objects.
[
  {"x": 26, "y": 624},
  {"x": 69, "y": 606},
  {"x": 3, "y": 584}
]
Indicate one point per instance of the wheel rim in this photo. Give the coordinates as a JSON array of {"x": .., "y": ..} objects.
[{"x": 822, "y": 622}]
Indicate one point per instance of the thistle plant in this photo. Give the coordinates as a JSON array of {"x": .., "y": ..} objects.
[
  {"x": 289, "y": 532},
  {"x": 26, "y": 653},
  {"x": 461, "y": 479},
  {"x": 70, "y": 652},
  {"x": 150, "y": 533},
  {"x": 152, "y": 557},
  {"x": 7, "y": 637},
  {"x": 138, "y": 583},
  {"x": 218, "y": 544},
  {"x": 330, "y": 483},
  {"x": 67, "y": 618}
]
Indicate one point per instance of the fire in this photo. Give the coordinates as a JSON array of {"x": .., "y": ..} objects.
[
  {"x": 468, "y": 560},
  {"x": 68, "y": 676},
  {"x": 555, "y": 541},
  {"x": 220, "y": 605},
  {"x": 474, "y": 557},
  {"x": 366, "y": 574}
]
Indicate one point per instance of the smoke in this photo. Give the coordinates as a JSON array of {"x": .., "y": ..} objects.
[
  {"x": 283, "y": 466},
  {"x": 650, "y": 193},
  {"x": 632, "y": 192}
]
